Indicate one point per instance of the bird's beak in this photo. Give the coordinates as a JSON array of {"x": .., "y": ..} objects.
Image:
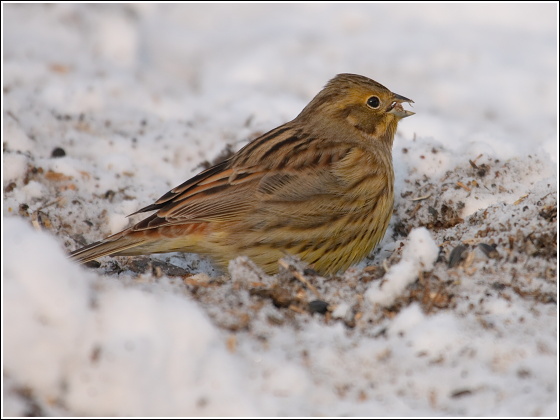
[{"x": 396, "y": 108}]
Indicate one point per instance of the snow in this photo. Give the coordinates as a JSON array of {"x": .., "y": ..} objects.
[
  {"x": 141, "y": 96},
  {"x": 419, "y": 254}
]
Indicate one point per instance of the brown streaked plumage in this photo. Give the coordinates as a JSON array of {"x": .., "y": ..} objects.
[{"x": 319, "y": 187}]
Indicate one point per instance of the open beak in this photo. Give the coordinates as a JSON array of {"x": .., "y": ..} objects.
[{"x": 396, "y": 108}]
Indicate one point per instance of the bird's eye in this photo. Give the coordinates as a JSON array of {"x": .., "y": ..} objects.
[{"x": 373, "y": 102}]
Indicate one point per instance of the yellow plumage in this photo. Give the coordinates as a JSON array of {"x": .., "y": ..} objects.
[{"x": 319, "y": 187}]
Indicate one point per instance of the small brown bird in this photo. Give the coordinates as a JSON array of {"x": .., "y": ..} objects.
[{"x": 319, "y": 187}]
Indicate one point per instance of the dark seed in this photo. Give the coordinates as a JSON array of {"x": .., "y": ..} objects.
[
  {"x": 58, "y": 152},
  {"x": 318, "y": 306},
  {"x": 310, "y": 272},
  {"x": 489, "y": 250},
  {"x": 456, "y": 256},
  {"x": 109, "y": 195},
  {"x": 93, "y": 264},
  {"x": 498, "y": 286},
  {"x": 461, "y": 393}
]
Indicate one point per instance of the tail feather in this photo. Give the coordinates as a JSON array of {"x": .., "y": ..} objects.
[{"x": 104, "y": 248}]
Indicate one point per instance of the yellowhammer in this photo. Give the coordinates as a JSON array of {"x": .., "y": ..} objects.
[{"x": 319, "y": 187}]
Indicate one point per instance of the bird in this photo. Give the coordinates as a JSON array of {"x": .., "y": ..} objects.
[{"x": 319, "y": 187}]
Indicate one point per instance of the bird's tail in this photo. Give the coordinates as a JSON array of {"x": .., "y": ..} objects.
[{"x": 120, "y": 245}]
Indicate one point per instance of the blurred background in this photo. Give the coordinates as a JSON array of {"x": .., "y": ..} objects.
[
  {"x": 107, "y": 106},
  {"x": 482, "y": 69}
]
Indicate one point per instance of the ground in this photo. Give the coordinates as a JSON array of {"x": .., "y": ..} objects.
[{"x": 106, "y": 107}]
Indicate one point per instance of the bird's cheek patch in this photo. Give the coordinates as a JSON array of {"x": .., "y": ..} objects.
[{"x": 366, "y": 126}]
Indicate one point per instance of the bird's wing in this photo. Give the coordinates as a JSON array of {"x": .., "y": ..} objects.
[
  {"x": 209, "y": 196},
  {"x": 283, "y": 168}
]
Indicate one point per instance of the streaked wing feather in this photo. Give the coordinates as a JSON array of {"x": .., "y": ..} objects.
[
  {"x": 220, "y": 193},
  {"x": 298, "y": 175}
]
